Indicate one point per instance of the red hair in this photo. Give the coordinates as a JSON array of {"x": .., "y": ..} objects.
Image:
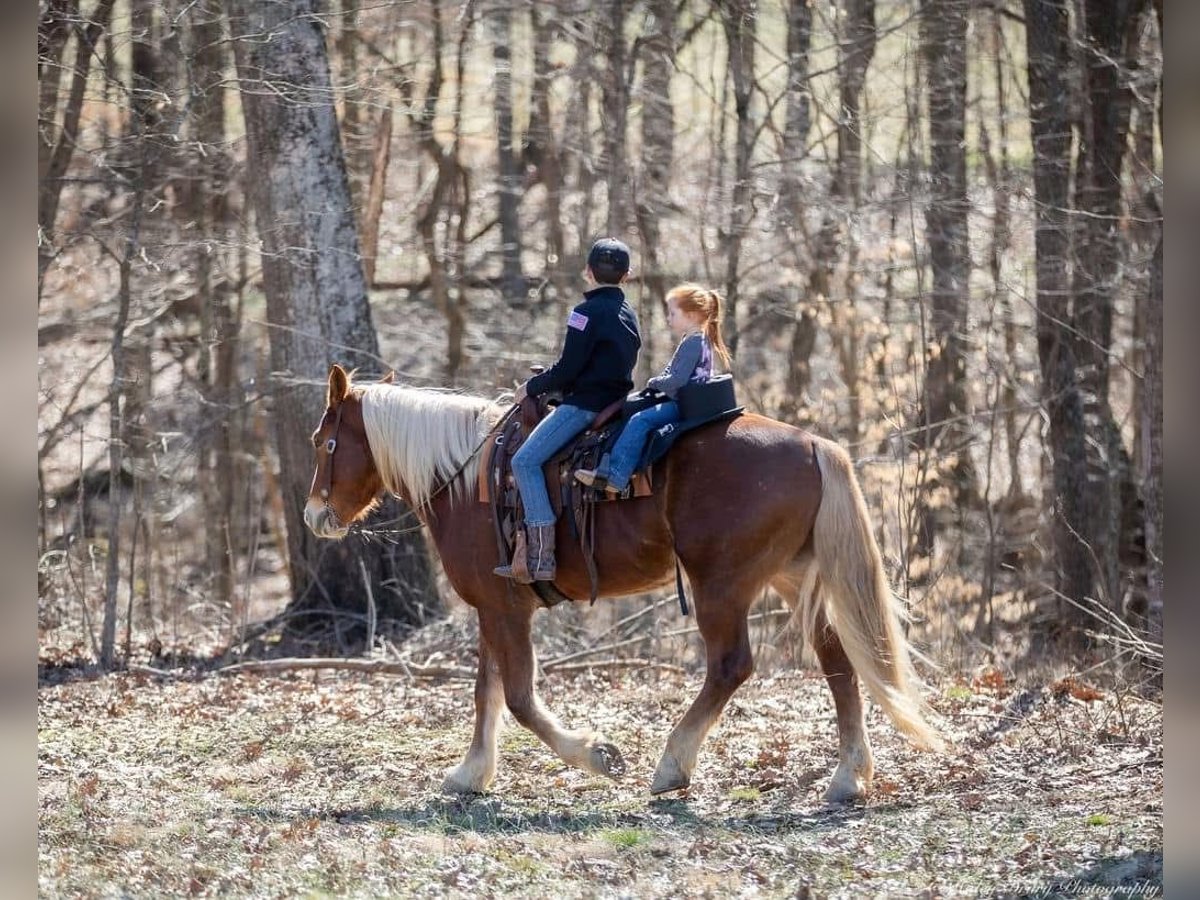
[{"x": 694, "y": 299}]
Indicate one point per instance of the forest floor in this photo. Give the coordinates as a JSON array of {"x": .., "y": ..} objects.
[{"x": 328, "y": 784}]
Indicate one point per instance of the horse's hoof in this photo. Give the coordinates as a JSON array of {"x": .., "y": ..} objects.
[
  {"x": 606, "y": 759},
  {"x": 457, "y": 785},
  {"x": 845, "y": 790},
  {"x": 669, "y": 776}
]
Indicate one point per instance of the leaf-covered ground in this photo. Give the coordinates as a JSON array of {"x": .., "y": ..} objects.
[{"x": 288, "y": 786}]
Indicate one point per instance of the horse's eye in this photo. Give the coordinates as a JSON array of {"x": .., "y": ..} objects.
[{"x": 330, "y": 446}]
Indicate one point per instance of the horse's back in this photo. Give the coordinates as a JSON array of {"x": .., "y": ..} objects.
[{"x": 746, "y": 487}]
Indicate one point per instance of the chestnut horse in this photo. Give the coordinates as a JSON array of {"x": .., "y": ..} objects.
[{"x": 745, "y": 503}]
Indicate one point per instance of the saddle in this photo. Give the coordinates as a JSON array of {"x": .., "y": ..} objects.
[{"x": 699, "y": 405}]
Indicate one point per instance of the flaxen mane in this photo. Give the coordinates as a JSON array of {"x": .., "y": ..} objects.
[{"x": 420, "y": 437}]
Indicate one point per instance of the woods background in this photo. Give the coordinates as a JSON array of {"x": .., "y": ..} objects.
[{"x": 937, "y": 226}]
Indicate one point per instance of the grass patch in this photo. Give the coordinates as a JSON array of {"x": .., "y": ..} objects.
[
  {"x": 627, "y": 838},
  {"x": 745, "y": 792},
  {"x": 1099, "y": 819}
]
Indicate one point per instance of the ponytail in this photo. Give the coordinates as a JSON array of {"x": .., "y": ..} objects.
[{"x": 712, "y": 327}]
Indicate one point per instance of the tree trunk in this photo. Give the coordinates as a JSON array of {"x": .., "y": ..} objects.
[
  {"x": 372, "y": 214},
  {"x": 510, "y": 178},
  {"x": 1110, "y": 36},
  {"x": 794, "y": 149},
  {"x": 55, "y": 150},
  {"x": 316, "y": 298},
  {"x": 739, "y": 19},
  {"x": 943, "y": 26},
  {"x": 856, "y": 48},
  {"x": 544, "y": 153},
  {"x": 1046, "y": 35},
  {"x": 1151, "y": 427},
  {"x": 451, "y": 183},
  {"x": 614, "y": 113},
  {"x": 658, "y": 150},
  {"x": 218, "y": 472}
]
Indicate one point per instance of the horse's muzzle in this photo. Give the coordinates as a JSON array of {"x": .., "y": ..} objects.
[{"x": 321, "y": 522}]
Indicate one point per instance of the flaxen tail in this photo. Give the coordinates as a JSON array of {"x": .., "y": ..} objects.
[{"x": 859, "y": 602}]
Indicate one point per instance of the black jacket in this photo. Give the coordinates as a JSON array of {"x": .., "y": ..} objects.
[{"x": 598, "y": 355}]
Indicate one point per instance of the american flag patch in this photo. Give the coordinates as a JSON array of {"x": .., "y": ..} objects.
[{"x": 577, "y": 320}]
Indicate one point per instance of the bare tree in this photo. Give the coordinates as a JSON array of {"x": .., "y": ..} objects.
[
  {"x": 658, "y": 148},
  {"x": 1110, "y": 45},
  {"x": 856, "y": 48},
  {"x": 943, "y": 25},
  {"x": 1047, "y": 47},
  {"x": 206, "y": 201},
  {"x": 448, "y": 204},
  {"x": 543, "y": 151},
  {"x": 739, "y": 18},
  {"x": 614, "y": 110},
  {"x": 316, "y": 293},
  {"x": 793, "y": 150},
  {"x": 57, "y": 141},
  {"x": 501, "y": 22}
]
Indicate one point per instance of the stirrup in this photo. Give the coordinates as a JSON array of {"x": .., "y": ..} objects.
[
  {"x": 590, "y": 477},
  {"x": 596, "y": 481}
]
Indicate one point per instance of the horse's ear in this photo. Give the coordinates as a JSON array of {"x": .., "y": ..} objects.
[
  {"x": 389, "y": 378},
  {"x": 339, "y": 385}
]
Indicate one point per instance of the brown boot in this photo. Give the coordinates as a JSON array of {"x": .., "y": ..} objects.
[
  {"x": 518, "y": 569},
  {"x": 541, "y": 552}
]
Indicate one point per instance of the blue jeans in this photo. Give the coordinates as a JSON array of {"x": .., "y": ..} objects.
[
  {"x": 628, "y": 450},
  {"x": 551, "y": 435}
]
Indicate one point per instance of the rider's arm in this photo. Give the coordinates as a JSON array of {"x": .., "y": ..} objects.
[
  {"x": 680, "y": 368},
  {"x": 577, "y": 347}
]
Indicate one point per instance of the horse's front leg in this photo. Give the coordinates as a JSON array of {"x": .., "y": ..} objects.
[
  {"x": 478, "y": 768},
  {"x": 506, "y": 627}
]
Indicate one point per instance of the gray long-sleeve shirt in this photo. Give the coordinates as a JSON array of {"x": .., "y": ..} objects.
[{"x": 689, "y": 356}]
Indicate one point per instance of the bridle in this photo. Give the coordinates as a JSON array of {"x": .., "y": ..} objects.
[
  {"x": 327, "y": 490},
  {"x": 331, "y": 446}
]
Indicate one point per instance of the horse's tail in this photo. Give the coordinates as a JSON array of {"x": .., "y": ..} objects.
[{"x": 858, "y": 600}]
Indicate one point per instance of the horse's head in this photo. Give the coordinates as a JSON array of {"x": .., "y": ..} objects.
[{"x": 346, "y": 482}]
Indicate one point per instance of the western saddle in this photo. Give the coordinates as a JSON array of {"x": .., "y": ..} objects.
[{"x": 699, "y": 404}]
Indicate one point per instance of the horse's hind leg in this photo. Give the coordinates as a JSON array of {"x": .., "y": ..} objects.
[
  {"x": 508, "y": 632},
  {"x": 799, "y": 587},
  {"x": 852, "y": 777},
  {"x": 722, "y": 623},
  {"x": 478, "y": 768}
]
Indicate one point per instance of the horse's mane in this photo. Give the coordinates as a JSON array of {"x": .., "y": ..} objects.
[{"x": 420, "y": 437}]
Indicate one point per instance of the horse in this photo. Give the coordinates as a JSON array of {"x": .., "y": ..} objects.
[{"x": 743, "y": 504}]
